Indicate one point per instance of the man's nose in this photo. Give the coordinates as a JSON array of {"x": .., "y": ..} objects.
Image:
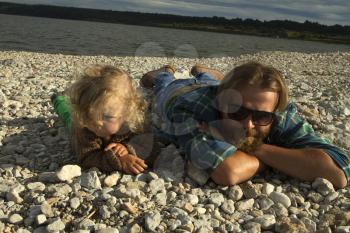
[{"x": 248, "y": 122}]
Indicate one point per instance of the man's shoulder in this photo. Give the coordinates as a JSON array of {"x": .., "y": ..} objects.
[{"x": 289, "y": 115}]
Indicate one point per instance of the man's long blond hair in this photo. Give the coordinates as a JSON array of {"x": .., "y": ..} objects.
[
  {"x": 96, "y": 87},
  {"x": 257, "y": 74}
]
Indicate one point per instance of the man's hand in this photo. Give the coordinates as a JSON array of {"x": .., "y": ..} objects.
[
  {"x": 226, "y": 130},
  {"x": 132, "y": 164},
  {"x": 117, "y": 148}
]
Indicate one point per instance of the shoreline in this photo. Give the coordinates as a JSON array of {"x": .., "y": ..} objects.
[{"x": 37, "y": 194}]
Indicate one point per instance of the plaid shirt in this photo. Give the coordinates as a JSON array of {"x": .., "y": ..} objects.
[{"x": 187, "y": 110}]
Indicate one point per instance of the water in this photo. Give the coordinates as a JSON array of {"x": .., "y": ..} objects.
[{"x": 22, "y": 33}]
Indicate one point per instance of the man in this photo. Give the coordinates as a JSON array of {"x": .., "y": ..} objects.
[{"x": 208, "y": 119}]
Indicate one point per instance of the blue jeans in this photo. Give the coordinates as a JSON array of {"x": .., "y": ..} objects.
[{"x": 164, "y": 79}]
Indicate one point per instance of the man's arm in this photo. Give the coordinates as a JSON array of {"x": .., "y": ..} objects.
[
  {"x": 237, "y": 168},
  {"x": 306, "y": 164},
  {"x": 297, "y": 151}
]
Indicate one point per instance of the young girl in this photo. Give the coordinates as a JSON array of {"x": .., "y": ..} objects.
[{"x": 107, "y": 121}]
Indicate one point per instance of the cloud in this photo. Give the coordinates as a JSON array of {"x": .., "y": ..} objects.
[{"x": 323, "y": 11}]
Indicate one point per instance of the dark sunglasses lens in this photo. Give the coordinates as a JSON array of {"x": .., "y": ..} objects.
[
  {"x": 239, "y": 114},
  {"x": 263, "y": 118}
]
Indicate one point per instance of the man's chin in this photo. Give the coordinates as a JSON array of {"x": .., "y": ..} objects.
[{"x": 250, "y": 144}]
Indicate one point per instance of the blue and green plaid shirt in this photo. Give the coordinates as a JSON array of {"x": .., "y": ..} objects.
[{"x": 178, "y": 121}]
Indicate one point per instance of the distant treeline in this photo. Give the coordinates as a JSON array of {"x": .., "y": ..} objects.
[{"x": 275, "y": 28}]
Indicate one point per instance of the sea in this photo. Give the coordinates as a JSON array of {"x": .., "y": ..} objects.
[{"x": 59, "y": 36}]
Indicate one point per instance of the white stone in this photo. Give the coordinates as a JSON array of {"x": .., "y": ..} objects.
[
  {"x": 235, "y": 193},
  {"x": 266, "y": 221},
  {"x": 36, "y": 186},
  {"x": 15, "y": 219},
  {"x": 90, "y": 180},
  {"x": 55, "y": 225},
  {"x": 40, "y": 219},
  {"x": 245, "y": 204},
  {"x": 281, "y": 198},
  {"x": 68, "y": 172},
  {"x": 323, "y": 186},
  {"x": 152, "y": 220},
  {"x": 169, "y": 164},
  {"x": 112, "y": 179},
  {"x": 267, "y": 188},
  {"x": 74, "y": 202}
]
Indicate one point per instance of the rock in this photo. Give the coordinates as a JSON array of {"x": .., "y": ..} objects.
[
  {"x": 160, "y": 198},
  {"x": 152, "y": 220},
  {"x": 265, "y": 203},
  {"x": 90, "y": 180},
  {"x": 280, "y": 198},
  {"x": 108, "y": 230},
  {"x": 48, "y": 177},
  {"x": 40, "y": 219},
  {"x": 217, "y": 199},
  {"x": 309, "y": 224},
  {"x": 188, "y": 207},
  {"x": 201, "y": 210},
  {"x": 267, "y": 188},
  {"x": 315, "y": 197},
  {"x": 252, "y": 227},
  {"x": 68, "y": 172},
  {"x": 346, "y": 111},
  {"x": 331, "y": 197},
  {"x": 228, "y": 207},
  {"x": 46, "y": 209},
  {"x": 280, "y": 210},
  {"x": 250, "y": 190},
  {"x": 193, "y": 199},
  {"x": 15, "y": 219},
  {"x": 104, "y": 212},
  {"x": 169, "y": 164},
  {"x": 245, "y": 204},
  {"x": 86, "y": 224},
  {"x": 112, "y": 179},
  {"x": 198, "y": 175},
  {"x": 126, "y": 179},
  {"x": 235, "y": 193},
  {"x": 156, "y": 185},
  {"x": 22, "y": 230},
  {"x": 135, "y": 228},
  {"x": 74, "y": 202},
  {"x": 266, "y": 221},
  {"x": 342, "y": 229},
  {"x": 59, "y": 190},
  {"x": 36, "y": 186},
  {"x": 290, "y": 225},
  {"x": 130, "y": 208},
  {"x": 323, "y": 186},
  {"x": 14, "y": 196},
  {"x": 55, "y": 225}
]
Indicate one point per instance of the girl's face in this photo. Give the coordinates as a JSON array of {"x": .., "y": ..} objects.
[{"x": 113, "y": 118}]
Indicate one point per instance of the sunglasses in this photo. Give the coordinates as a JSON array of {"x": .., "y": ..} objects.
[{"x": 260, "y": 118}]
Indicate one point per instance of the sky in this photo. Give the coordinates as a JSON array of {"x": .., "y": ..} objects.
[{"x": 328, "y": 12}]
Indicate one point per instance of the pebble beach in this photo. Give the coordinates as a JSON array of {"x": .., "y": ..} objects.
[{"x": 42, "y": 189}]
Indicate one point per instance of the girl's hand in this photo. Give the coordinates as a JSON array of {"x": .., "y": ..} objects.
[
  {"x": 132, "y": 164},
  {"x": 117, "y": 148}
]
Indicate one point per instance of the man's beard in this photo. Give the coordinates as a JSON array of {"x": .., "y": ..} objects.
[
  {"x": 252, "y": 141},
  {"x": 234, "y": 133}
]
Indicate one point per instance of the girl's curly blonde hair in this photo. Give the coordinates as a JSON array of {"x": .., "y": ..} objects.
[{"x": 94, "y": 90}]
